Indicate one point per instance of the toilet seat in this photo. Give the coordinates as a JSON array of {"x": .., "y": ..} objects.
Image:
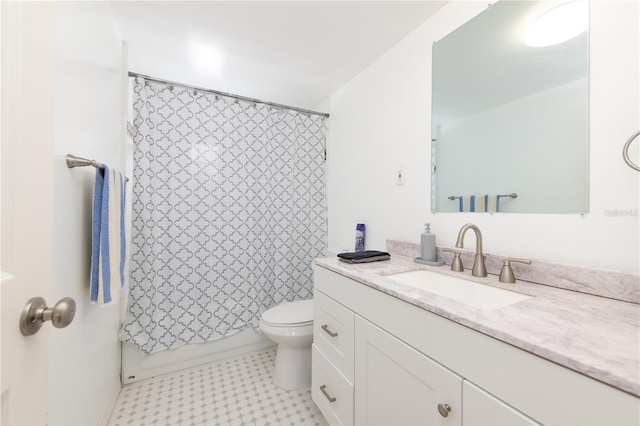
[{"x": 290, "y": 314}]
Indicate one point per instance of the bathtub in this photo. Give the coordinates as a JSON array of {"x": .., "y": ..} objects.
[{"x": 136, "y": 365}]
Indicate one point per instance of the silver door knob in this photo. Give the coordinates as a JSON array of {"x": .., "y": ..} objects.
[{"x": 35, "y": 313}]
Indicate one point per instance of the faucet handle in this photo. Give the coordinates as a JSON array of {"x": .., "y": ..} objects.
[
  {"x": 456, "y": 265},
  {"x": 506, "y": 274}
]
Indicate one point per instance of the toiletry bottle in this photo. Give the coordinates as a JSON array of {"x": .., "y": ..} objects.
[
  {"x": 360, "y": 237},
  {"x": 428, "y": 244}
]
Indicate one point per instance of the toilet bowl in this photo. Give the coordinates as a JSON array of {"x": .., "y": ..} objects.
[{"x": 290, "y": 325}]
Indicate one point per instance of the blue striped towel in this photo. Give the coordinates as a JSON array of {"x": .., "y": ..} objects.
[
  {"x": 107, "y": 236},
  {"x": 479, "y": 203}
]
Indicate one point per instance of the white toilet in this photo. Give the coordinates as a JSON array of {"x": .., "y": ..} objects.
[{"x": 290, "y": 325}]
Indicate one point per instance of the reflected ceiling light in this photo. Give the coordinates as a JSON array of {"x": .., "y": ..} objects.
[{"x": 557, "y": 25}]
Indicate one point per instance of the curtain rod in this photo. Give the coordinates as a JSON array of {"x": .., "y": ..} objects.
[{"x": 229, "y": 95}]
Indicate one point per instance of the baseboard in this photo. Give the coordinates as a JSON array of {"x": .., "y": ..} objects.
[{"x": 105, "y": 416}]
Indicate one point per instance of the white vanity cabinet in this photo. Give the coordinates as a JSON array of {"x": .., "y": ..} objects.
[
  {"x": 333, "y": 330},
  {"x": 480, "y": 408},
  {"x": 330, "y": 390},
  {"x": 332, "y": 360},
  {"x": 397, "y": 385},
  {"x": 392, "y": 362}
]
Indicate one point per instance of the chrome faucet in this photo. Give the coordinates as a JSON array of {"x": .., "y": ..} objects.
[{"x": 479, "y": 269}]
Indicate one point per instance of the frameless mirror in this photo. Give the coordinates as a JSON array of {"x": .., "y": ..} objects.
[{"x": 510, "y": 120}]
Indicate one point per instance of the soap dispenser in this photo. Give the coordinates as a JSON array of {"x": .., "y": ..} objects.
[
  {"x": 428, "y": 252},
  {"x": 428, "y": 244}
]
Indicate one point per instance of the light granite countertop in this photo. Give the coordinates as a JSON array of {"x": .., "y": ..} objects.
[{"x": 596, "y": 336}]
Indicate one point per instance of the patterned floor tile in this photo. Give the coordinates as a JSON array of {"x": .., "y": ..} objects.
[{"x": 235, "y": 391}]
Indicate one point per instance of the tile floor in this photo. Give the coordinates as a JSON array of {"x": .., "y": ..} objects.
[{"x": 234, "y": 391}]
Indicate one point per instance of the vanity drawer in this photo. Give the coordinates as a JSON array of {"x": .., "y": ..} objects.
[
  {"x": 331, "y": 391},
  {"x": 333, "y": 332}
]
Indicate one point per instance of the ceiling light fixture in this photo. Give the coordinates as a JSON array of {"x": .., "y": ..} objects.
[{"x": 558, "y": 25}]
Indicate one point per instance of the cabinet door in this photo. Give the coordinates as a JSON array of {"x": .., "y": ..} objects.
[
  {"x": 397, "y": 385},
  {"x": 481, "y": 408}
]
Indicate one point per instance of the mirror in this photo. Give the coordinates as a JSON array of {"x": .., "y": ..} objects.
[{"x": 509, "y": 120}]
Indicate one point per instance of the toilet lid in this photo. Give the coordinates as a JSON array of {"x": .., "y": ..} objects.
[{"x": 290, "y": 313}]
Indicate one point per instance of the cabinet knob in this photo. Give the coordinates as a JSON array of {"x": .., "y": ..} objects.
[{"x": 444, "y": 409}]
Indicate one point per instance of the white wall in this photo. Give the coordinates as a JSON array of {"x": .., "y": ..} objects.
[
  {"x": 85, "y": 357},
  {"x": 381, "y": 120}
]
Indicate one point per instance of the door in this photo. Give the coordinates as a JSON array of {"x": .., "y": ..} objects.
[
  {"x": 27, "y": 66},
  {"x": 395, "y": 384}
]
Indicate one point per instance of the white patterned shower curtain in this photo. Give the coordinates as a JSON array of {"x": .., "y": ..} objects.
[{"x": 228, "y": 213}]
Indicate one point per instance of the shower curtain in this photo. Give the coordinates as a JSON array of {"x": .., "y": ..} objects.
[{"x": 228, "y": 211}]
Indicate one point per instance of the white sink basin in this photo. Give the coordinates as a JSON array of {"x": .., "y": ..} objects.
[{"x": 464, "y": 291}]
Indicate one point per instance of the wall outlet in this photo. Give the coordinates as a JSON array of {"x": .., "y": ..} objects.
[{"x": 400, "y": 176}]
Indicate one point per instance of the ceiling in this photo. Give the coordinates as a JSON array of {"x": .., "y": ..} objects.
[{"x": 292, "y": 52}]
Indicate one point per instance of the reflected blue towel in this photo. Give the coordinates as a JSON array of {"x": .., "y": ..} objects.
[
  {"x": 479, "y": 203},
  {"x": 468, "y": 203},
  {"x": 107, "y": 235}
]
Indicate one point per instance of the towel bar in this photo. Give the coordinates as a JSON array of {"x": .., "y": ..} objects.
[
  {"x": 75, "y": 161},
  {"x": 512, "y": 195},
  {"x": 625, "y": 152}
]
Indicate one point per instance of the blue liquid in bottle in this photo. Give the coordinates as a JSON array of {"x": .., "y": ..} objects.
[{"x": 360, "y": 237}]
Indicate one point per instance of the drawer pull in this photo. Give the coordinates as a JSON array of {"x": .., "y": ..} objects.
[
  {"x": 329, "y": 332},
  {"x": 444, "y": 409},
  {"x": 323, "y": 389}
]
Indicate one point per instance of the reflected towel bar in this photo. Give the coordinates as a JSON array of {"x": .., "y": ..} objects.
[
  {"x": 75, "y": 161},
  {"x": 512, "y": 195}
]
